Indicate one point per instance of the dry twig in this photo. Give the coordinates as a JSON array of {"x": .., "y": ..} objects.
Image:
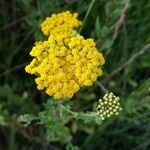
[
  {"x": 13, "y": 69},
  {"x": 102, "y": 86},
  {"x": 118, "y": 25},
  {"x": 14, "y": 23},
  {"x": 129, "y": 61}
]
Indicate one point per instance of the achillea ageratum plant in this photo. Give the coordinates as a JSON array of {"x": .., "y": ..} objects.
[
  {"x": 65, "y": 62},
  {"x": 108, "y": 106}
]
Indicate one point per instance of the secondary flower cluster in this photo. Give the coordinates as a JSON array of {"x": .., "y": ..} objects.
[
  {"x": 62, "y": 23},
  {"x": 66, "y": 61},
  {"x": 108, "y": 106}
]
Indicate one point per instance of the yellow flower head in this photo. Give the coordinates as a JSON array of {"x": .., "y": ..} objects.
[
  {"x": 61, "y": 23},
  {"x": 65, "y": 63},
  {"x": 108, "y": 106}
]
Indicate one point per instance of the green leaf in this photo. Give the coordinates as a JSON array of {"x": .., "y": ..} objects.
[
  {"x": 89, "y": 118},
  {"x": 54, "y": 119},
  {"x": 26, "y": 118},
  {"x": 97, "y": 28},
  {"x": 105, "y": 31},
  {"x": 107, "y": 44}
]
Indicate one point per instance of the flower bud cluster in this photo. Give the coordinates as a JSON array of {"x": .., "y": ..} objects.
[{"x": 108, "y": 106}]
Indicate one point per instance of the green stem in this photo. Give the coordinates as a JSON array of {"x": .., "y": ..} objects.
[
  {"x": 86, "y": 16},
  {"x": 12, "y": 144},
  {"x": 89, "y": 114},
  {"x": 71, "y": 112}
]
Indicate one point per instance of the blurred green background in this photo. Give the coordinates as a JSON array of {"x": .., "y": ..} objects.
[{"x": 121, "y": 29}]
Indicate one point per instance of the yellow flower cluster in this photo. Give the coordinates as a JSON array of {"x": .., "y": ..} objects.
[
  {"x": 108, "y": 106},
  {"x": 65, "y": 62},
  {"x": 61, "y": 23},
  {"x": 63, "y": 66}
]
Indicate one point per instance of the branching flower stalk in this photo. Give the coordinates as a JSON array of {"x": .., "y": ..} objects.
[{"x": 107, "y": 107}]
